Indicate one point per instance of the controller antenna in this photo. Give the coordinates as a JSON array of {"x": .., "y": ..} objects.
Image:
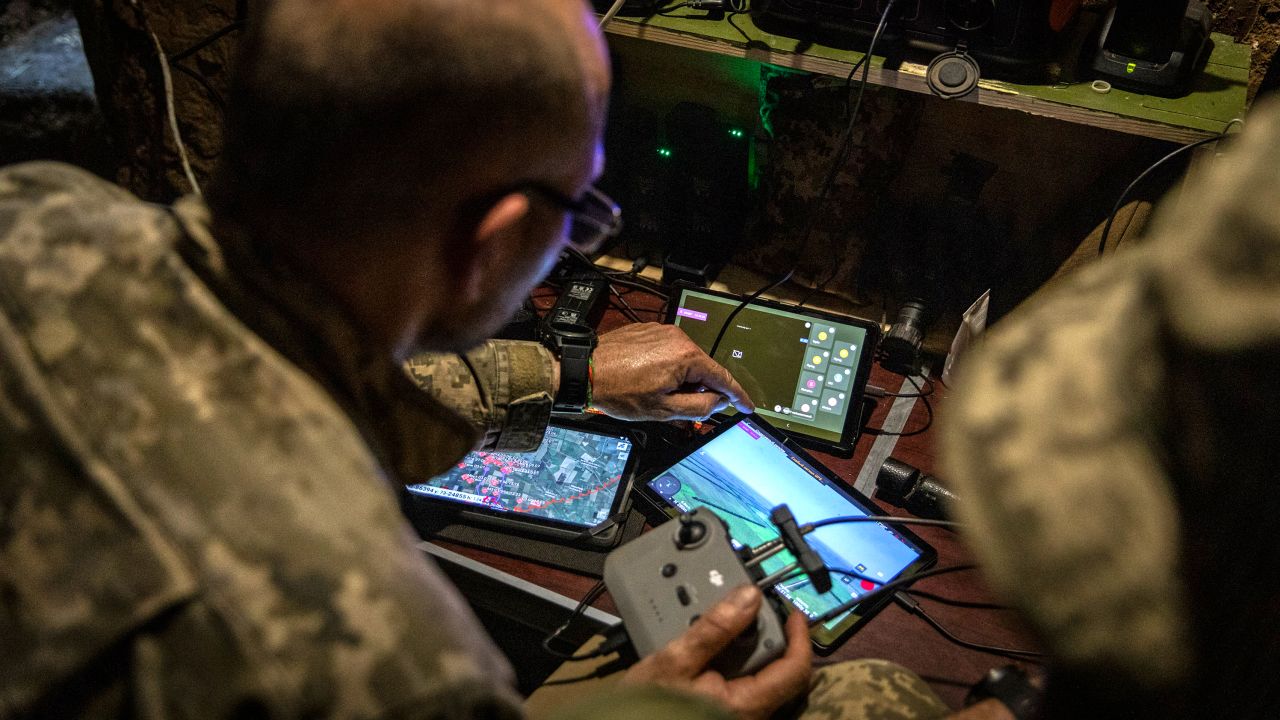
[{"x": 791, "y": 538}]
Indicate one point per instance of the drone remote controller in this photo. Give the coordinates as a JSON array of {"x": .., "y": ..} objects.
[{"x": 665, "y": 579}]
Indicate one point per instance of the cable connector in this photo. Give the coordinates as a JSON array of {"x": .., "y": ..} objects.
[
  {"x": 615, "y": 640},
  {"x": 907, "y": 602},
  {"x": 705, "y": 4}
]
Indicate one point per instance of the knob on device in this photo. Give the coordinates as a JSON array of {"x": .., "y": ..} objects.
[
  {"x": 953, "y": 74},
  {"x": 690, "y": 533}
]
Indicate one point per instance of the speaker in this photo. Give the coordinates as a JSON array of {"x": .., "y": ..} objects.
[{"x": 1013, "y": 38}]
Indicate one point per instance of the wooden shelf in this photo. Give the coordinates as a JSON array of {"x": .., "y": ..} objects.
[{"x": 1218, "y": 95}]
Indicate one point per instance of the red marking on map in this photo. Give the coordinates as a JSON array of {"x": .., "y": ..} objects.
[
  {"x": 534, "y": 505},
  {"x": 867, "y": 585}
]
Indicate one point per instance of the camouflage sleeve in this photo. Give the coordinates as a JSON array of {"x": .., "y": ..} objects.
[
  {"x": 870, "y": 690},
  {"x": 501, "y": 387}
]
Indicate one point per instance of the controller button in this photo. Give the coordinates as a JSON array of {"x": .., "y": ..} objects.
[
  {"x": 668, "y": 570},
  {"x": 690, "y": 533},
  {"x": 682, "y": 594}
]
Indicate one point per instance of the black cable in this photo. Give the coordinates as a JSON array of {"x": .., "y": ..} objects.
[
  {"x": 865, "y": 64},
  {"x": 214, "y": 96},
  {"x": 957, "y": 602},
  {"x": 595, "y": 592},
  {"x": 639, "y": 285},
  {"x": 874, "y": 391},
  {"x": 911, "y": 606},
  {"x": 610, "y": 280},
  {"x": 892, "y": 585},
  {"x": 729, "y": 19},
  {"x": 625, "y": 306},
  {"x": 827, "y": 183},
  {"x": 1106, "y": 229},
  {"x": 886, "y": 519},
  {"x": 208, "y": 40},
  {"x": 928, "y": 408}
]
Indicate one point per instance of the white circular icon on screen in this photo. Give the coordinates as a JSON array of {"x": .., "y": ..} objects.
[
  {"x": 831, "y": 402},
  {"x": 777, "y": 408}
]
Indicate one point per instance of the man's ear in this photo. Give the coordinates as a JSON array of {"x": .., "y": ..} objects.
[{"x": 493, "y": 237}]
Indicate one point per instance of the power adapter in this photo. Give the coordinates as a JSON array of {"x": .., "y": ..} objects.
[{"x": 582, "y": 301}]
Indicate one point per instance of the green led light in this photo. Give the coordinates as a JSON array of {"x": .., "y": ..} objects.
[
  {"x": 664, "y": 152},
  {"x": 736, "y": 132}
]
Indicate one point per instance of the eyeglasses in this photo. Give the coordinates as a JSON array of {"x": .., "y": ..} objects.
[{"x": 595, "y": 217}]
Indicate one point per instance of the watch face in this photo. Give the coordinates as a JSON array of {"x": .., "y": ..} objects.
[
  {"x": 558, "y": 335},
  {"x": 570, "y": 329}
]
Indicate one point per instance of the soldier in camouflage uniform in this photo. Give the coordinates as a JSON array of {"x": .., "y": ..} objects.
[
  {"x": 1114, "y": 442},
  {"x": 200, "y": 410}
]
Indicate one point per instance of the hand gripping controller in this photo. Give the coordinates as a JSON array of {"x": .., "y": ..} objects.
[{"x": 665, "y": 579}]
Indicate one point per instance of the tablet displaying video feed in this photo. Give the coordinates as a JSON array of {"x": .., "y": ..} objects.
[
  {"x": 745, "y": 470},
  {"x": 805, "y": 370},
  {"x": 574, "y": 479}
]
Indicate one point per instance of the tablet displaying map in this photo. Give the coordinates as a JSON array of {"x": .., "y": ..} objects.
[{"x": 573, "y": 478}]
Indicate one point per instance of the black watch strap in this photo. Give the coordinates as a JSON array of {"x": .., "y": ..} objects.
[{"x": 573, "y": 344}]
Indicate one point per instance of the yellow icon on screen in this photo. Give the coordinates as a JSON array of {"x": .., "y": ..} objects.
[
  {"x": 822, "y": 336},
  {"x": 817, "y": 359},
  {"x": 844, "y": 353}
]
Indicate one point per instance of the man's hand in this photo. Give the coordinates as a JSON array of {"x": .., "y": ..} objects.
[
  {"x": 649, "y": 371},
  {"x": 682, "y": 664}
]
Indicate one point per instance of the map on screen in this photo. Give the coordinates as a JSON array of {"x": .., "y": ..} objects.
[
  {"x": 573, "y": 477},
  {"x": 743, "y": 473}
]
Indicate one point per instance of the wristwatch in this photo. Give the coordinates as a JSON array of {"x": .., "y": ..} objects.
[{"x": 573, "y": 343}]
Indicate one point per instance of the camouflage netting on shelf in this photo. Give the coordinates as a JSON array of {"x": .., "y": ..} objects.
[{"x": 807, "y": 116}]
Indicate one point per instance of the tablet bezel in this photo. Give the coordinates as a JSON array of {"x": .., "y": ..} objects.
[
  {"x": 852, "y": 429},
  {"x": 825, "y": 641},
  {"x": 549, "y": 528}
]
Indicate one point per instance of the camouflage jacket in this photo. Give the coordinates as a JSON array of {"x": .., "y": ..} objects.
[
  {"x": 1113, "y": 443},
  {"x": 189, "y": 525}
]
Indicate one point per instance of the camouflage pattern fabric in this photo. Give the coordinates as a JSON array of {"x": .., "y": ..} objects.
[
  {"x": 501, "y": 387},
  {"x": 870, "y": 690},
  {"x": 808, "y": 115},
  {"x": 495, "y": 396},
  {"x": 191, "y": 526},
  {"x": 852, "y": 690},
  {"x": 1067, "y": 435}
]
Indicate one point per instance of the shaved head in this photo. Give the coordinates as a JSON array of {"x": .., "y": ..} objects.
[{"x": 351, "y": 118}]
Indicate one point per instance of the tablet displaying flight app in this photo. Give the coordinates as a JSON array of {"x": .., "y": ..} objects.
[{"x": 744, "y": 470}]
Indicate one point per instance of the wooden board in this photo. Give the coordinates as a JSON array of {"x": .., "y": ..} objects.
[{"x": 1218, "y": 95}]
